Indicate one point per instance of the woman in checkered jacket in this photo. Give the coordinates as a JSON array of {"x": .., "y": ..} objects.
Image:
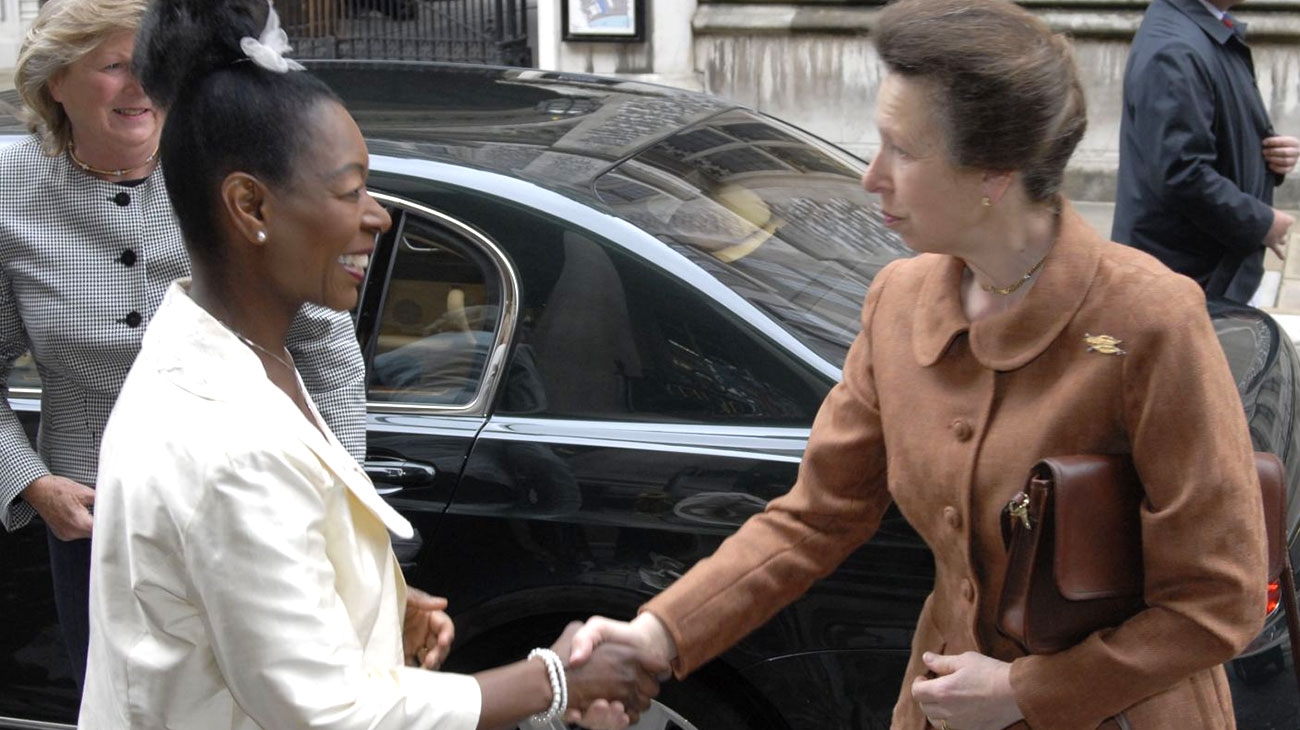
[{"x": 88, "y": 246}]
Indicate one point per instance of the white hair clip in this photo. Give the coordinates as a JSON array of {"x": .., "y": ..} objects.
[{"x": 268, "y": 50}]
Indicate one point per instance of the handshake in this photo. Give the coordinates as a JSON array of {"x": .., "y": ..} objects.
[
  {"x": 613, "y": 669},
  {"x": 601, "y": 674}
]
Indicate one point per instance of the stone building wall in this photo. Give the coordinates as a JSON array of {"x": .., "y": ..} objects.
[
  {"x": 16, "y": 17},
  {"x": 813, "y": 65}
]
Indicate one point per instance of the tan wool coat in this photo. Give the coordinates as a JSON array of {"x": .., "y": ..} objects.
[{"x": 945, "y": 417}]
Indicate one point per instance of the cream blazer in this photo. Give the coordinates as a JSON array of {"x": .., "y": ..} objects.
[{"x": 242, "y": 575}]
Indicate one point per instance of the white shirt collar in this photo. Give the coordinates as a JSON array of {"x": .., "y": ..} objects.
[{"x": 1214, "y": 10}]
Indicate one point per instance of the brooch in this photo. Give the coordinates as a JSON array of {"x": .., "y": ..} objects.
[{"x": 1105, "y": 344}]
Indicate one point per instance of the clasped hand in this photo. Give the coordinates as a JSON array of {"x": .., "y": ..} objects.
[
  {"x": 427, "y": 630},
  {"x": 63, "y": 504},
  {"x": 612, "y": 684},
  {"x": 645, "y": 636},
  {"x": 1281, "y": 153},
  {"x": 608, "y": 689},
  {"x": 969, "y": 691}
]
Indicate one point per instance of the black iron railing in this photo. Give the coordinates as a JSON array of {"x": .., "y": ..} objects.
[{"x": 471, "y": 31}]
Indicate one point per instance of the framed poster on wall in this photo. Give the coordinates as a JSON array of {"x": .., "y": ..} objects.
[{"x": 603, "y": 20}]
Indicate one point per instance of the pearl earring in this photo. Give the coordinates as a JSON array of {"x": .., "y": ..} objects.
[
  {"x": 261, "y": 235},
  {"x": 986, "y": 202}
]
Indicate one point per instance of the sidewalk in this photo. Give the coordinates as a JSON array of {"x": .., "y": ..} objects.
[{"x": 1279, "y": 294}]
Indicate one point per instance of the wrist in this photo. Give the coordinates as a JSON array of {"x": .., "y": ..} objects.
[
  {"x": 36, "y": 484},
  {"x": 659, "y": 642},
  {"x": 1008, "y": 691},
  {"x": 557, "y": 687},
  {"x": 35, "y": 491}
]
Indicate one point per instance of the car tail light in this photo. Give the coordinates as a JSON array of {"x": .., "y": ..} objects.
[{"x": 1274, "y": 597}]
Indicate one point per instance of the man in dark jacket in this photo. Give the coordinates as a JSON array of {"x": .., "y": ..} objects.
[{"x": 1198, "y": 158}]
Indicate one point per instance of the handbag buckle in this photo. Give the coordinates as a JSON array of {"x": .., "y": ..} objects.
[{"x": 1019, "y": 509}]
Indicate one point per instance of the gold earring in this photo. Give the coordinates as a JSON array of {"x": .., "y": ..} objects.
[{"x": 986, "y": 202}]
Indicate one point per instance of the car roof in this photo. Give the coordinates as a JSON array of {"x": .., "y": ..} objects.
[
  {"x": 440, "y": 111},
  {"x": 559, "y": 130},
  {"x": 446, "y": 102}
]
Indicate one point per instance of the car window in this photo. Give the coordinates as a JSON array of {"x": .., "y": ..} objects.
[
  {"x": 604, "y": 334},
  {"x": 23, "y": 375},
  {"x": 439, "y": 319},
  {"x": 775, "y": 214},
  {"x": 598, "y": 332}
]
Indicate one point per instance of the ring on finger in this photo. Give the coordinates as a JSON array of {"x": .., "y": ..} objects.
[{"x": 943, "y": 725}]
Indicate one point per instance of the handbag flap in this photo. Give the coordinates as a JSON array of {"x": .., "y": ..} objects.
[{"x": 1098, "y": 541}]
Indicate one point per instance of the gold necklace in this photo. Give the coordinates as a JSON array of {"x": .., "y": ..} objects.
[
  {"x": 86, "y": 166},
  {"x": 1005, "y": 290}
]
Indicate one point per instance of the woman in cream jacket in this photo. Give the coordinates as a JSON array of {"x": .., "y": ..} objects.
[{"x": 242, "y": 576}]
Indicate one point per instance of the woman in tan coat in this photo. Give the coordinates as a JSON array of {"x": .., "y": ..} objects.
[{"x": 978, "y": 357}]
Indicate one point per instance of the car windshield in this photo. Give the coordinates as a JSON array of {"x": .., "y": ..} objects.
[{"x": 778, "y": 216}]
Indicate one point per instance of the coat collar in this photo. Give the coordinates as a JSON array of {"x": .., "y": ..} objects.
[
  {"x": 1011, "y": 339},
  {"x": 1212, "y": 26},
  {"x": 201, "y": 355}
]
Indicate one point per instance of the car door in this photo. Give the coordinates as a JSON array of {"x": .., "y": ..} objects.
[
  {"x": 637, "y": 423},
  {"x": 35, "y": 675},
  {"x": 433, "y": 322}
]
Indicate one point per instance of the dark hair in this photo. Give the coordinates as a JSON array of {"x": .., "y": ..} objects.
[
  {"x": 224, "y": 112},
  {"x": 1004, "y": 85}
]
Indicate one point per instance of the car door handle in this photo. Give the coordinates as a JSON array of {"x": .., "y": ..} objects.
[{"x": 398, "y": 474}]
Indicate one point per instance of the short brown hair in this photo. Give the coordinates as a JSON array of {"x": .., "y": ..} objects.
[
  {"x": 1004, "y": 85},
  {"x": 64, "y": 31}
]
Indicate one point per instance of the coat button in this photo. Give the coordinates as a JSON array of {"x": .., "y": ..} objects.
[
  {"x": 961, "y": 429},
  {"x": 132, "y": 320},
  {"x": 123, "y": 199},
  {"x": 127, "y": 258},
  {"x": 952, "y": 517},
  {"x": 967, "y": 590}
]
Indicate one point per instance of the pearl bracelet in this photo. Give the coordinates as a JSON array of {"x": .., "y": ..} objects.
[{"x": 559, "y": 686}]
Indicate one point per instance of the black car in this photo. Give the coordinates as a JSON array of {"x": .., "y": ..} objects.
[{"x": 596, "y": 337}]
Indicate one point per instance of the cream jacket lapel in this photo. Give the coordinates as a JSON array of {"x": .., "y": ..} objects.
[
  {"x": 242, "y": 576},
  {"x": 227, "y": 370}
]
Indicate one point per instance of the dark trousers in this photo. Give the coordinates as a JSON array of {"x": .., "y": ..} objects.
[
  {"x": 1246, "y": 281},
  {"x": 70, "y": 569}
]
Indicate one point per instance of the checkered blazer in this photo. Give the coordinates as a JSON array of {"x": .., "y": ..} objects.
[{"x": 84, "y": 264}]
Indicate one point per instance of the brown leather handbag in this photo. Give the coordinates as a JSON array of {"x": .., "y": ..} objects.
[{"x": 1075, "y": 542}]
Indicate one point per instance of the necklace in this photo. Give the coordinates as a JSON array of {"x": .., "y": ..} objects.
[
  {"x": 86, "y": 166},
  {"x": 287, "y": 363},
  {"x": 1005, "y": 290}
]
